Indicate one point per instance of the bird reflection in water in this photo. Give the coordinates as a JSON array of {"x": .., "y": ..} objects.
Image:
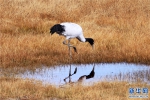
[{"x": 80, "y": 79}]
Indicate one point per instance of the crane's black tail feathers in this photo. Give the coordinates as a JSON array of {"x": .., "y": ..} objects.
[
  {"x": 75, "y": 49},
  {"x": 90, "y": 40}
]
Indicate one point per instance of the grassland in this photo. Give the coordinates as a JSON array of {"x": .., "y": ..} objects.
[
  {"x": 120, "y": 29},
  {"x": 29, "y": 90}
]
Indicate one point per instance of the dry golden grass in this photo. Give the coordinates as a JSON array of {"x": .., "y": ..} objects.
[
  {"x": 120, "y": 29},
  {"x": 29, "y": 90}
]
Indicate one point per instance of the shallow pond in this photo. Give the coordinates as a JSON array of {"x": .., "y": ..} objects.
[{"x": 103, "y": 72}]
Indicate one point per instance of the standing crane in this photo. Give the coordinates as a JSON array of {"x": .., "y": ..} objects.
[{"x": 70, "y": 30}]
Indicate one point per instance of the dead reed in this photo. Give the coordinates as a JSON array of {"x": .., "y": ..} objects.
[{"x": 120, "y": 29}]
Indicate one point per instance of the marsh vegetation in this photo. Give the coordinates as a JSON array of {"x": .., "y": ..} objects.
[{"x": 120, "y": 29}]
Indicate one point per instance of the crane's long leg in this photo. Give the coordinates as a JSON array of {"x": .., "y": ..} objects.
[
  {"x": 75, "y": 71},
  {"x": 64, "y": 42},
  {"x": 69, "y": 61},
  {"x": 69, "y": 46}
]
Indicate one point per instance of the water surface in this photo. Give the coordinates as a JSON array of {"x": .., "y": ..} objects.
[{"x": 108, "y": 72}]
